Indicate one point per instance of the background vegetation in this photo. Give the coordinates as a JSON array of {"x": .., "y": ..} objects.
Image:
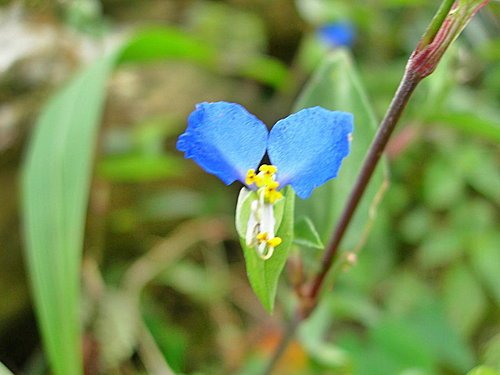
[{"x": 162, "y": 276}]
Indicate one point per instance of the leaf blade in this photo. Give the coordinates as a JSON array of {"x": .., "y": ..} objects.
[
  {"x": 336, "y": 86},
  {"x": 56, "y": 183}
]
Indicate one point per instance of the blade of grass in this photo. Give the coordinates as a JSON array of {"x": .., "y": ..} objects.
[{"x": 56, "y": 180}]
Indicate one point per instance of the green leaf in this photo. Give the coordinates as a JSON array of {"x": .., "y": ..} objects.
[
  {"x": 139, "y": 168},
  {"x": 336, "y": 86},
  {"x": 158, "y": 43},
  {"x": 305, "y": 234},
  {"x": 55, "y": 189},
  {"x": 56, "y": 183},
  {"x": 264, "y": 274}
]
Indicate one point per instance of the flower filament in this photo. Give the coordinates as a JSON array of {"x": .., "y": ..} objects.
[{"x": 261, "y": 223}]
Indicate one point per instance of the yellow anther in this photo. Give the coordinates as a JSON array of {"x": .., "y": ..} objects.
[
  {"x": 273, "y": 185},
  {"x": 268, "y": 170},
  {"x": 273, "y": 197},
  {"x": 262, "y": 236},
  {"x": 273, "y": 242},
  {"x": 271, "y": 194},
  {"x": 250, "y": 177}
]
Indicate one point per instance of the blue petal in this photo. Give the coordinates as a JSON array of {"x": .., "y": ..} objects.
[
  {"x": 308, "y": 147},
  {"x": 224, "y": 139},
  {"x": 337, "y": 34}
]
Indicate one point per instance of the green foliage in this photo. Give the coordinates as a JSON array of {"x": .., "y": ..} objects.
[
  {"x": 306, "y": 234},
  {"x": 421, "y": 296}
]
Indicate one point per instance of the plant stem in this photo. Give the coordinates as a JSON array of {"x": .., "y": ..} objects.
[{"x": 398, "y": 104}]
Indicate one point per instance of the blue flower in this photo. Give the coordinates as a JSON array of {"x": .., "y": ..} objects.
[
  {"x": 336, "y": 34},
  {"x": 306, "y": 148}
]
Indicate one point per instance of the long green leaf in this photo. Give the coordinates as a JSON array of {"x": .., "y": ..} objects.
[
  {"x": 56, "y": 182},
  {"x": 158, "y": 43},
  {"x": 336, "y": 86}
]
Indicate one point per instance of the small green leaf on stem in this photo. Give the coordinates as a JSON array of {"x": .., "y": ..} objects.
[{"x": 307, "y": 235}]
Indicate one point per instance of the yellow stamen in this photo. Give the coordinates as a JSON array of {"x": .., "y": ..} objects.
[
  {"x": 273, "y": 242},
  {"x": 271, "y": 194},
  {"x": 250, "y": 177},
  {"x": 268, "y": 170},
  {"x": 273, "y": 185},
  {"x": 262, "y": 236},
  {"x": 274, "y": 197}
]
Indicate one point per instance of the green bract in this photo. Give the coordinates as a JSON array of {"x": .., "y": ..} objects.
[{"x": 264, "y": 274}]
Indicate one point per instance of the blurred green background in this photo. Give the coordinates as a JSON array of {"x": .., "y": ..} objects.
[{"x": 162, "y": 279}]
